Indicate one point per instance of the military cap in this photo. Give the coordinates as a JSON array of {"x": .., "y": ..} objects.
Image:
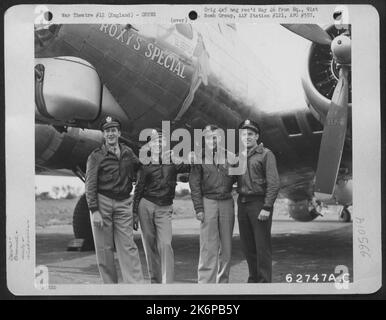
[
  {"x": 250, "y": 124},
  {"x": 110, "y": 122},
  {"x": 210, "y": 127}
]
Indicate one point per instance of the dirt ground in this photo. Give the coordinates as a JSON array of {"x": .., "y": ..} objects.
[{"x": 313, "y": 248}]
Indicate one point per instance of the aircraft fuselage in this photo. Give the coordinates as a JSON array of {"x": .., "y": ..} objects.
[{"x": 149, "y": 71}]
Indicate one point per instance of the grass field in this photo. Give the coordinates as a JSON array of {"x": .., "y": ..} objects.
[
  {"x": 59, "y": 212},
  {"x": 54, "y": 212}
]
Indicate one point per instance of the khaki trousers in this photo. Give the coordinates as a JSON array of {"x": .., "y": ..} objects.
[
  {"x": 156, "y": 227},
  {"x": 117, "y": 229},
  {"x": 216, "y": 241}
]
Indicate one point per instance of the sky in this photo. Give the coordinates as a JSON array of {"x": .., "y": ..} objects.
[
  {"x": 45, "y": 183},
  {"x": 282, "y": 52}
]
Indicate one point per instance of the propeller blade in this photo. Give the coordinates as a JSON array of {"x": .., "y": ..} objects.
[
  {"x": 311, "y": 32},
  {"x": 334, "y": 134}
]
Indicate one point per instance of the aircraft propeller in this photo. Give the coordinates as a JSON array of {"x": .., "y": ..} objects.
[
  {"x": 335, "y": 126},
  {"x": 310, "y": 32}
]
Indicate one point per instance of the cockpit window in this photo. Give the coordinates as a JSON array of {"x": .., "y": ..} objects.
[{"x": 185, "y": 29}]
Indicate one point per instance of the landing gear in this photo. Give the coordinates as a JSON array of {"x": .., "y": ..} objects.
[
  {"x": 84, "y": 240},
  {"x": 345, "y": 215}
]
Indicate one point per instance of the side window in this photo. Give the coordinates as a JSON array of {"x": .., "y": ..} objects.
[
  {"x": 291, "y": 124},
  {"x": 314, "y": 124},
  {"x": 185, "y": 29}
]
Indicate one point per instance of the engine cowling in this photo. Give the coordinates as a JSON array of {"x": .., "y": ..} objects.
[
  {"x": 321, "y": 76},
  {"x": 64, "y": 150}
]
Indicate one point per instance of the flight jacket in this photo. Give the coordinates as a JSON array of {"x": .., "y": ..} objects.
[
  {"x": 110, "y": 176},
  {"x": 261, "y": 177},
  {"x": 157, "y": 183},
  {"x": 211, "y": 181}
]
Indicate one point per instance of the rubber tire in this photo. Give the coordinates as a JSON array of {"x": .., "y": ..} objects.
[
  {"x": 345, "y": 216},
  {"x": 82, "y": 225}
]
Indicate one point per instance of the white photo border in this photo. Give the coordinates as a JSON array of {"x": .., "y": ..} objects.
[{"x": 20, "y": 155}]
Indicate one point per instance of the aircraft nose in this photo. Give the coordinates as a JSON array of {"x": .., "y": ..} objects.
[{"x": 45, "y": 34}]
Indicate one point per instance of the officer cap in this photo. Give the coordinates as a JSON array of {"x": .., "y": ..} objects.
[
  {"x": 250, "y": 124},
  {"x": 109, "y": 122},
  {"x": 210, "y": 127}
]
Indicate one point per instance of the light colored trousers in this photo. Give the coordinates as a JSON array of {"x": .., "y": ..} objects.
[
  {"x": 216, "y": 241},
  {"x": 118, "y": 229},
  {"x": 156, "y": 227}
]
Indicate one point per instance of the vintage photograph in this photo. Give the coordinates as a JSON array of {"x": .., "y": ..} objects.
[{"x": 200, "y": 153}]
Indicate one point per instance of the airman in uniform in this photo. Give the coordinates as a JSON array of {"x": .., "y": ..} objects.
[
  {"x": 109, "y": 177},
  {"x": 153, "y": 206},
  {"x": 211, "y": 189},
  {"x": 258, "y": 188}
]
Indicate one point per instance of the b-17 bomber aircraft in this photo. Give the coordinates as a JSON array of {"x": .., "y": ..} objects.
[{"x": 191, "y": 75}]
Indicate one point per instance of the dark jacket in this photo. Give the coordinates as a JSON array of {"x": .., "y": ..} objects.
[
  {"x": 157, "y": 183},
  {"x": 261, "y": 177},
  {"x": 210, "y": 181},
  {"x": 110, "y": 176}
]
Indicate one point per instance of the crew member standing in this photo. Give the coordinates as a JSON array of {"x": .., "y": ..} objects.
[
  {"x": 109, "y": 178},
  {"x": 258, "y": 188},
  {"x": 153, "y": 205},
  {"x": 211, "y": 188}
]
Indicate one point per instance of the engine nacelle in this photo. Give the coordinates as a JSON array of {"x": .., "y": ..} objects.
[
  {"x": 64, "y": 150},
  {"x": 308, "y": 210},
  {"x": 303, "y": 211}
]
